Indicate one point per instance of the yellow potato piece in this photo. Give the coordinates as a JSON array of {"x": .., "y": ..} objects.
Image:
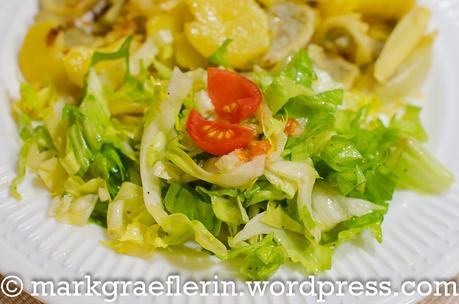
[
  {"x": 385, "y": 8},
  {"x": 243, "y": 21},
  {"x": 164, "y": 26},
  {"x": 267, "y": 3},
  {"x": 153, "y": 7},
  {"x": 76, "y": 64},
  {"x": 173, "y": 20},
  {"x": 402, "y": 42},
  {"x": 411, "y": 73},
  {"x": 40, "y": 57},
  {"x": 330, "y": 8},
  {"x": 163, "y": 22},
  {"x": 186, "y": 56}
]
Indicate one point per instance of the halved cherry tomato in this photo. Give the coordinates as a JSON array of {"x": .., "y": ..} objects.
[
  {"x": 217, "y": 138},
  {"x": 235, "y": 97}
]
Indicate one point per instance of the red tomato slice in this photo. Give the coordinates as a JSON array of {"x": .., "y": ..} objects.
[
  {"x": 217, "y": 138},
  {"x": 235, "y": 97}
]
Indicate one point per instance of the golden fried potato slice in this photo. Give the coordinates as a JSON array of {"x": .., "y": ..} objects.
[
  {"x": 243, "y": 21},
  {"x": 40, "y": 57}
]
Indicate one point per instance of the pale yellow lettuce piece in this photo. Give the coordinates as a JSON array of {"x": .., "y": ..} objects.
[
  {"x": 131, "y": 228},
  {"x": 70, "y": 210},
  {"x": 77, "y": 203},
  {"x": 159, "y": 129}
]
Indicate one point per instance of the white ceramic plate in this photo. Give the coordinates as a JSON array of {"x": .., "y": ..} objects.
[{"x": 421, "y": 234}]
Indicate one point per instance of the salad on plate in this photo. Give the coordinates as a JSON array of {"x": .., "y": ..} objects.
[{"x": 265, "y": 132}]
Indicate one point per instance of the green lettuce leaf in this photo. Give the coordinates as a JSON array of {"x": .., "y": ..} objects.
[
  {"x": 158, "y": 130},
  {"x": 108, "y": 165},
  {"x": 410, "y": 124},
  {"x": 296, "y": 179},
  {"x": 95, "y": 113},
  {"x": 121, "y": 53},
  {"x": 77, "y": 203},
  {"x": 181, "y": 199},
  {"x": 299, "y": 249},
  {"x": 294, "y": 79},
  {"x": 263, "y": 191},
  {"x": 79, "y": 147},
  {"x": 340, "y": 153},
  {"x": 313, "y": 257},
  {"x": 219, "y": 57},
  {"x": 300, "y": 69},
  {"x": 352, "y": 228},
  {"x": 331, "y": 208},
  {"x": 226, "y": 204},
  {"x": 260, "y": 260},
  {"x": 318, "y": 112},
  {"x": 99, "y": 214},
  {"x": 281, "y": 90},
  {"x": 418, "y": 170},
  {"x": 304, "y": 106},
  {"x": 132, "y": 230},
  {"x": 240, "y": 177},
  {"x": 276, "y": 217}
]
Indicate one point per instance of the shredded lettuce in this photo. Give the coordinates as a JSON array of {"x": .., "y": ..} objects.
[
  {"x": 119, "y": 155},
  {"x": 313, "y": 257},
  {"x": 78, "y": 201},
  {"x": 122, "y": 53},
  {"x": 263, "y": 191},
  {"x": 410, "y": 123},
  {"x": 300, "y": 69},
  {"x": 331, "y": 208},
  {"x": 276, "y": 217},
  {"x": 299, "y": 249},
  {"x": 260, "y": 260},
  {"x": 131, "y": 228},
  {"x": 281, "y": 90},
  {"x": 158, "y": 130},
  {"x": 303, "y": 106},
  {"x": 352, "y": 228},
  {"x": 240, "y": 177},
  {"x": 294, "y": 80},
  {"x": 227, "y": 204},
  {"x": 296, "y": 179},
  {"x": 418, "y": 170},
  {"x": 181, "y": 199}
]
